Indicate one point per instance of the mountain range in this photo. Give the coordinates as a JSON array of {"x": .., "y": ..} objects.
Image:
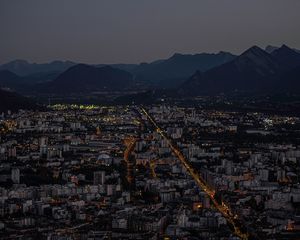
[
  {"x": 255, "y": 70},
  {"x": 271, "y": 48},
  {"x": 167, "y": 73},
  {"x": 175, "y": 70}
]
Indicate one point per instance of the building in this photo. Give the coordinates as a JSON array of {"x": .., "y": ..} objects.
[
  {"x": 15, "y": 175},
  {"x": 99, "y": 178}
]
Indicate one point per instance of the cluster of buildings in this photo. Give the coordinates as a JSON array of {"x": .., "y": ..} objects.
[
  {"x": 250, "y": 159},
  {"x": 103, "y": 172}
]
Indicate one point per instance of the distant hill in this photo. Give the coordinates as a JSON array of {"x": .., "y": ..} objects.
[
  {"x": 13, "y": 101},
  {"x": 84, "y": 78},
  {"x": 24, "y": 84},
  {"x": 23, "y": 68},
  {"x": 12, "y": 81},
  {"x": 176, "y": 69},
  {"x": 8, "y": 78}
]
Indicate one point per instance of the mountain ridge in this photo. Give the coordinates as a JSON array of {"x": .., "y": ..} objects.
[
  {"x": 86, "y": 78},
  {"x": 254, "y": 70},
  {"x": 23, "y": 67}
]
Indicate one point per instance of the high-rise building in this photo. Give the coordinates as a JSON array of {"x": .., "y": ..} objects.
[
  {"x": 12, "y": 152},
  {"x": 99, "y": 178},
  {"x": 15, "y": 175},
  {"x": 43, "y": 141}
]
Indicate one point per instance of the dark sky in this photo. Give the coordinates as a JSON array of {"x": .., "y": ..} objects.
[{"x": 131, "y": 31}]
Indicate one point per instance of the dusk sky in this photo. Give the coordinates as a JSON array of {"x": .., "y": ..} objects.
[{"x": 133, "y": 31}]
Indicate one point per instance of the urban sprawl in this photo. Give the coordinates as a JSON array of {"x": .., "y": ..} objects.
[{"x": 152, "y": 172}]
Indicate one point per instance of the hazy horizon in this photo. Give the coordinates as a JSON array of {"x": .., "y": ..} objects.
[{"x": 152, "y": 60}]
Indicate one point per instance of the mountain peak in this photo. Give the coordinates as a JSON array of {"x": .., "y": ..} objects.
[
  {"x": 256, "y": 55},
  {"x": 254, "y": 50},
  {"x": 285, "y": 51},
  {"x": 270, "y": 48},
  {"x": 176, "y": 55},
  {"x": 285, "y": 48},
  {"x": 287, "y": 57}
]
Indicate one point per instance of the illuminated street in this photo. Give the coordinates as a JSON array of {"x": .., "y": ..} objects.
[{"x": 225, "y": 210}]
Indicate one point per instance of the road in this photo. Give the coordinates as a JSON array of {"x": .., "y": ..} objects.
[
  {"x": 130, "y": 145},
  {"x": 222, "y": 208}
]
